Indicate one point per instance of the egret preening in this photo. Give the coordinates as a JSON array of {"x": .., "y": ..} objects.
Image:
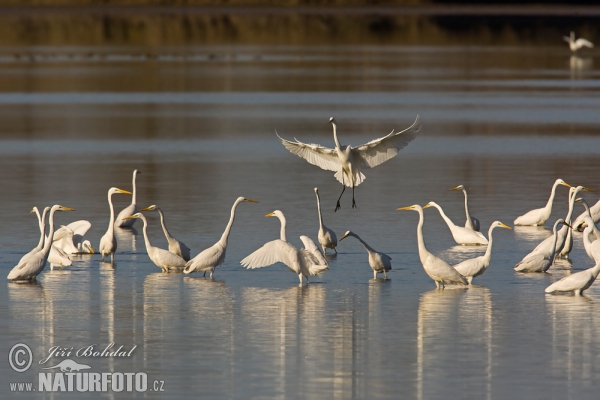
[
  {"x": 472, "y": 222},
  {"x": 131, "y": 209},
  {"x": 327, "y": 237},
  {"x": 379, "y": 262},
  {"x": 348, "y": 162},
  {"x": 175, "y": 246},
  {"x": 108, "y": 243},
  {"x": 576, "y": 44},
  {"x": 577, "y": 282},
  {"x": 594, "y": 212},
  {"x": 208, "y": 259},
  {"x": 163, "y": 259},
  {"x": 542, "y": 260},
  {"x": 31, "y": 267},
  {"x": 302, "y": 262},
  {"x": 476, "y": 266},
  {"x": 70, "y": 238},
  {"x": 437, "y": 269},
  {"x": 464, "y": 236},
  {"x": 540, "y": 215}
]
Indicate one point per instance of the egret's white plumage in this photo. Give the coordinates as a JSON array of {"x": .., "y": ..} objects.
[
  {"x": 108, "y": 243},
  {"x": 577, "y": 282},
  {"x": 476, "y": 266},
  {"x": 327, "y": 238},
  {"x": 311, "y": 246},
  {"x": 30, "y": 268},
  {"x": 379, "y": 262},
  {"x": 175, "y": 246},
  {"x": 461, "y": 235},
  {"x": 437, "y": 269},
  {"x": 131, "y": 209},
  {"x": 300, "y": 261},
  {"x": 69, "y": 238},
  {"x": 208, "y": 259},
  {"x": 587, "y": 219},
  {"x": 348, "y": 162},
  {"x": 58, "y": 258},
  {"x": 542, "y": 260},
  {"x": 471, "y": 222},
  {"x": 42, "y": 226},
  {"x": 594, "y": 212},
  {"x": 163, "y": 259},
  {"x": 592, "y": 247},
  {"x": 541, "y": 215},
  {"x": 576, "y": 44}
]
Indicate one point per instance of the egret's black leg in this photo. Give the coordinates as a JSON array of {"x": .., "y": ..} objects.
[
  {"x": 353, "y": 202},
  {"x": 338, "y": 206}
]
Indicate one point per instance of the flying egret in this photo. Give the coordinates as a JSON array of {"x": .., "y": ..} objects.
[
  {"x": 540, "y": 215},
  {"x": 586, "y": 222},
  {"x": 164, "y": 259},
  {"x": 300, "y": 261},
  {"x": 594, "y": 212},
  {"x": 208, "y": 259},
  {"x": 327, "y": 237},
  {"x": 35, "y": 263},
  {"x": 472, "y": 222},
  {"x": 592, "y": 247},
  {"x": 108, "y": 243},
  {"x": 70, "y": 238},
  {"x": 476, "y": 266},
  {"x": 574, "y": 44},
  {"x": 543, "y": 260},
  {"x": 379, "y": 262},
  {"x": 464, "y": 236},
  {"x": 131, "y": 209},
  {"x": 437, "y": 269},
  {"x": 347, "y": 161},
  {"x": 577, "y": 282},
  {"x": 175, "y": 246}
]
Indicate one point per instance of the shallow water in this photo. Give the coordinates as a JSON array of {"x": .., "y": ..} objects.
[{"x": 505, "y": 122}]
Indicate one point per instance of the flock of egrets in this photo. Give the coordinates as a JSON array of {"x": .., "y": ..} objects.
[{"x": 348, "y": 163}]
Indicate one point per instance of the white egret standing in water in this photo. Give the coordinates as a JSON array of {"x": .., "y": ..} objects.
[
  {"x": 437, "y": 269},
  {"x": 175, "y": 246},
  {"x": 543, "y": 260},
  {"x": 327, "y": 238},
  {"x": 577, "y": 282},
  {"x": 576, "y": 44},
  {"x": 540, "y": 215},
  {"x": 108, "y": 243},
  {"x": 208, "y": 259},
  {"x": 471, "y": 222},
  {"x": 379, "y": 262},
  {"x": 42, "y": 226},
  {"x": 347, "y": 161},
  {"x": 593, "y": 211},
  {"x": 465, "y": 236},
  {"x": 131, "y": 209},
  {"x": 592, "y": 247}
]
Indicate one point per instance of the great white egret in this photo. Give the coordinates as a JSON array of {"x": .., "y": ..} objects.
[
  {"x": 464, "y": 236},
  {"x": 576, "y": 44},
  {"x": 592, "y": 247},
  {"x": 131, "y": 209},
  {"x": 379, "y": 262},
  {"x": 540, "y": 215},
  {"x": 42, "y": 226},
  {"x": 70, "y": 238},
  {"x": 584, "y": 221},
  {"x": 108, "y": 243},
  {"x": 208, "y": 259},
  {"x": 311, "y": 246},
  {"x": 437, "y": 269},
  {"x": 300, "y": 261},
  {"x": 542, "y": 260},
  {"x": 476, "y": 266},
  {"x": 31, "y": 267},
  {"x": 327, "y": 238},
  {"x": 594, "y": 212},
  {"x": 471, "y": 222},
  {"x": 175, "y": 246},
  {"x": 577, "y": 282},
  {"x": 58, "y": 258},
  {"x": 347, "y": 161},
  {"x": 164, "y": 259}
]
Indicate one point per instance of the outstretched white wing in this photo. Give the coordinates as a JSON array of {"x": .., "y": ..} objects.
[
  {"x": 380, "y": 150},
  {"x": 581, "y": 42},
  {"x": 273, "y": 252},
  {"x": 322, "y": 157},
  {"x": 310, "y": 245}
]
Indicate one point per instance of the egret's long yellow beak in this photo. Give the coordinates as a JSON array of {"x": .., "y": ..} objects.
[
  {"x": 270, "y": 214},
  {"x": 589, "y": 190},
  {"x": 136, "y": 215},
  {"x": 427, "y": 205},
  {"x": 123, "y": 191},
  {"x": 92, "y": 251},
  {"x": 345, "y": 236},
  {"x": 456, "y": 188},
  {"x": 505, "y": 226},
  {"x": 251, "y": 201},
  {"x": 406, "y": 208},
  {"x": 565, "y": 184},
  {"x": 32, "y": 211},
  {"x": 63, "y": 208},
  {"x": 147, "y": 208}
]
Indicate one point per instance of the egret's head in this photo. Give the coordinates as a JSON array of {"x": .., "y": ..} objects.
[
  {"x": 153, "y": 207},
  {"x": 501, "y": 225},
  {"x": 63, "y": 208},
  {"x": 275, "y": 213},
  {"x": 316, "y": 191},
  {"x": 459, "y": 187},
  {"x": 113, "y": 190},
  {"x": 561, "y": 182},
  {"x": 348, "y": 233},
  {"x": 414, "y": 207},
  {"x": 136, "y": 215},
  {"x": 430, "y": 204},
  {"x": 332, "y": 120}
]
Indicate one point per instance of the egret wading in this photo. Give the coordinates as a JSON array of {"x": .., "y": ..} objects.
[
  {"x": 379, "y": 262},
  {"x": 108, "y": 243}
]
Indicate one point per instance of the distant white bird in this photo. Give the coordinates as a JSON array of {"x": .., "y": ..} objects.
[
  {"x": 543, "y": 260},
  {"x": 540, "y": 215},
  {"x": 464, "y": 236},
  {"x": 175, "y": 246},
  {"x": 592, "y": 247},
  {"x": 163, "y": 259},
  {"x": 437, "y": 269},
  {"x": 476, "y": 266},
  {"x": 300, "y": 261},
  {"x": 108, "y": 243},
  {"x": 574, "y": 44},
  {"x": 472, "y": 222},
  {"x": 327, "y": 238},
  {"x": 131, "y": 209},
  {"x": 31, "y": 267},
  {"x": 70, "y": 238},
  {"x": 347, "y": 161},
  {"x": 208, "y": 259},
  {"x": 577, "y": 282},
  {"x": 379, "y": 262},
  {"x": 585, "y": 216},
  {"x": 594, "y": 212}
]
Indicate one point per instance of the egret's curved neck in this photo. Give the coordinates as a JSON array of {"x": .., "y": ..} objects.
[
  {"x": 335, "y": 138},
  {"x": 443, "y": 214},
  {"x": 488, "y": 251},
  {"x": 596, "y": 269},
  {"x": 319, "y": 209},
  {"x": 555, "y": 234},
  {"x": 551, "y": 199},
  {"x": 225, "y": 235},
  {"x": 420, "y": 240},
  {"x": 48, "y": 243},
  {"x": 369, "y": 248},
  {"x": 111, "y": 221},
  {"x": 282, "y": 231},
  {"x": 571, "y": 206},
  {"x": 133, "y": 195},
  {"x": 42, "y": 225},
  {"x": 145, "y": 230},
  {"x": 467, "y": 206},
  {"x": 162, "y": 223}
]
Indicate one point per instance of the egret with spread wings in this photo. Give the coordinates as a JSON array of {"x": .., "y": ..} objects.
[{"x": 348, "y": 162}]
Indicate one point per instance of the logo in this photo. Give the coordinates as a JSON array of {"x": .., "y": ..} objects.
[
  {"x": 20, "y": 357},
  {"x": 69, "y": 366}
]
